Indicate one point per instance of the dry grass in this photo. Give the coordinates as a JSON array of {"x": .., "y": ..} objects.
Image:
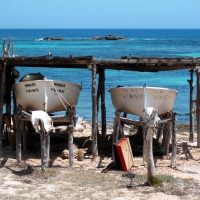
[{"x": 78, "y": 183}]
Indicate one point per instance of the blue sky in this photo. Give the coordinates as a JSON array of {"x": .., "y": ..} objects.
[{"x": 100, "y": 14}]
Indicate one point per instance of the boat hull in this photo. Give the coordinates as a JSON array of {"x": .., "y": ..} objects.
[
  {"x": 47, "y": 95},
  {"x": 130, "y": 100}
]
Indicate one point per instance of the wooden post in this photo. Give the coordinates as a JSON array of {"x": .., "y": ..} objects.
[
  {"x": 149, "y": 158},
  {"x": 24, "y": 134},
  {"x": 167, "y": 132},
  {"x": 94, "y": 113},
  {"x": 115, "y": 134},
  {"x": 159, "y": 133},
  {"x": 174, "y": 145},
  {"x": 144, "y": 153},
  {"x": 18, "y": 140},
  {"x": 8, "y": 90},
  {"x": 44, "y": 150},
  {"x": 2, "y": 88},
  {"x": 191, "y": 136},
  {"x": 72, "y": 114},
  {"x": 48, "y": 148},
  {"x": 103, "y": 106},
  {"x": 116, "y": 127},
  {"x": 198, "y": 107},
  {"x": 101, "y": 93},
  {"x": 70, "y": 146}
]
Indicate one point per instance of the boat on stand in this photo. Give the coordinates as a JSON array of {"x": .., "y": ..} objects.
[
  {"x": 131, "y": 100},
  {"x": 35, "y": 92}
]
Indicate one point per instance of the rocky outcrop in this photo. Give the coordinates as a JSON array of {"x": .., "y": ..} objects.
[
  {"x": 109, "y": 37},
  {"x": 53, "y": 38}
]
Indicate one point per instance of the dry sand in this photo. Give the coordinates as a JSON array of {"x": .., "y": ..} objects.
[{"x": 85, "y": 180}]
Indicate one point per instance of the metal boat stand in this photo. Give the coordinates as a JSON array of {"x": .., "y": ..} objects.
[
  {"x": 148, "y": 130},
  {"x": 22, "y": 116}
]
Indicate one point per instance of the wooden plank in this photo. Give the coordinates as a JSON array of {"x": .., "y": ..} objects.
[{"x": 125, "y": 154}]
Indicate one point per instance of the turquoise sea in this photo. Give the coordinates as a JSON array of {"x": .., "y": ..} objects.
[{"x": 139, "y": 43}]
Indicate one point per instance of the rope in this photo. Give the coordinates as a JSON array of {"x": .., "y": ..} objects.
[{"x": 60, "y": 95}]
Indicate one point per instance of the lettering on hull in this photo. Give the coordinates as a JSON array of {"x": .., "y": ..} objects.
[
  {"x": 57, "y": 90},
  {"x": 59, "y": 84},
  {"x": 30, "y": 84},
  {"x": 32, "y": 90}
]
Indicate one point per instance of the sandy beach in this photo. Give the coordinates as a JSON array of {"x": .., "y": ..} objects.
[{"x": 85, "y": 180}]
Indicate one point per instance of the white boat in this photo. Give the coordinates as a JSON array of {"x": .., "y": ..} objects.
[
  {"x": 131, "y": 100},
  {"x": 47, "y": 95}
]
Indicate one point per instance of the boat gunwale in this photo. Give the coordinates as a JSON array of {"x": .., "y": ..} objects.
[
  {"x": 140, "y": 87},
  {"x": 47, "y": 80}
]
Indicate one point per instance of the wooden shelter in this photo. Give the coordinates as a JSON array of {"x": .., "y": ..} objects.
[{"x": 98, "y": 66}]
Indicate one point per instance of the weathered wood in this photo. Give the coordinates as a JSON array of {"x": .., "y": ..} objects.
[
  {"x": 70, "y": 146},
  {"x": 174, "y": 145},
  {"x": 115, "y": 134},
  {"x": 167, "y": 132},
  {"x": 18, "y": 140},
  {"x": 144, "y": 153},
  {"x": 94, "y": 113},
  {"x": 103, "y": 106},
  {"x": 24, "y": 134},
  {"x": 8, "y": 90},
  {"x": 191, "y": 136},
  {"x": 159, "y": 133},
  {"x": 131, "y": 63},
  {"x": 71, "y": 111},
  {"x": 2, "y": 87},
  {"x": 8, "y": 129},
  {"x": 47, "y": 137},
  {"x": 116, "y": 127},
  {"x": 198, "y": 107},
  {"x": 45, "y": 146},
  {"x": 131, "y": 122},
  {"x": 149, "y": 153}
]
